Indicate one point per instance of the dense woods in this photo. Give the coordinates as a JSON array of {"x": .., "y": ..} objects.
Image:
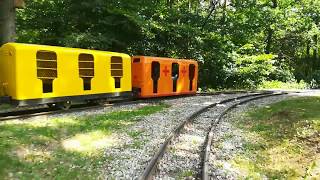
[{"x": 238, "y": 43}]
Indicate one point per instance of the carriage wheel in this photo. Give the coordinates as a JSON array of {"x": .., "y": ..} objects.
[
  {"x": 52, "y": 105},
  {"x": 64, "y": 105}
]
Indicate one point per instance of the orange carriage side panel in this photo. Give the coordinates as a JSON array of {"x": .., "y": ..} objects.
[
  {"x": 183, "y": 81},
  {"x": 136, "y": 70},
  {"x": 155, "y": 76},
  {"x": 165, "y": 81}
]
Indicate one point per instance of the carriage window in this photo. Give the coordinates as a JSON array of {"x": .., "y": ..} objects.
[
  {"x": 117, "y": 83},
  {"x": 155, "y": 75},
  {"x": 192, "y": 69},
  {"x": 117, "y": 70},
  {"x": 86, "y": 70},
  {"x": 136, "y": 60},
  {"x": 46, "y": 69},
  {"x": 175, "y": 75}
]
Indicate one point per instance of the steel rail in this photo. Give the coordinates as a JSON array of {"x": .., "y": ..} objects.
[
  {"x": 24, "y": 114},
  {"x": 232, "y": 92},
  {"x": 150, "y": 168},
  {"x": 42, "y": 111},
  {"x": 209, "y": 138}
]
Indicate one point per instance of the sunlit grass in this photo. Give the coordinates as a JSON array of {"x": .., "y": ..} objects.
[
  {"x": 282, "y": 141},
  {"x": 185, "y": 175},
  {"x": 283, "y": 85},
  {"x": 89, "y": 143},
  {"x": 63, "y": 148}
]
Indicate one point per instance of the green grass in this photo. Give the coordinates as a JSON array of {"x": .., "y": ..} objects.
[
  {"x": 137, "y": 143},
  {"x": 68, "y": 148},
  {"x": 283, "y": 85},
  {"x": 185, "y": 174},
  {"x": 282, "y": 140},
  {"x": 5, "y": 106}
]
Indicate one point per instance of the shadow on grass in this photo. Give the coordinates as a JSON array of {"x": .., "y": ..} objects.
[
  {"x": 284, "y": 138},
  {"x": 62, "y": 148},
  {"x": 286, "y": 119}
]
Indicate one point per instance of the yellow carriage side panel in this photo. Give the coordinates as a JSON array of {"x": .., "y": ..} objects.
[
  {"x": 101, "y": 78},
  {"x": 7, "y": 71},
  {"x": 104, "y": 80},
  {"x": 69, "y": 82},
  {"x": 28, "y": 86},
  {"x": 35, "y": 64},
  {"x": 125, "y": 79}
]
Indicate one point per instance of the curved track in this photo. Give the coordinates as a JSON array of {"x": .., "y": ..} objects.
[
  {"x": 151, "y": 167},
  {"x": 207, "y": 149},
  {"x": 41, "y": 111}
]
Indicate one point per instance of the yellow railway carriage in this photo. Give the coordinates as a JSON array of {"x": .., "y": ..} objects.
[{"x": 38, "y": 74}]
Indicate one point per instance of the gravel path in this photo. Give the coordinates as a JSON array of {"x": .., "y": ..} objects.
[{"x": 128, "y": 159}]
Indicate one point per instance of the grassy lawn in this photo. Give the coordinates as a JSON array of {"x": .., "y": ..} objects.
[
  {"x": 282, "y": 141},
  {"x": 66, "y": 148},
  {"x": 5, "y": 106},
  {"x": 283, "y": 85}
]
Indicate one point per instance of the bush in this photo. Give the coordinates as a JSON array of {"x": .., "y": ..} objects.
[
  {"x": 283, "y": 85},
  {"x": 314, "y": 79},
  {"x": 250, "y": 71},
  {"x": 282, "y": 71}
]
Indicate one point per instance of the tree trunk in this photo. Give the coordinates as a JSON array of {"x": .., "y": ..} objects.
[
  {"x": 224, "y": 15},
  {"x": 7, "y": 21},
  {"x": 269, "y": 41},
  {"x": 170, "y": 3},
  {"x": 308, "y": 49},
  {"x": 270, "y": 31},
  {"x": 212, "y": 8},
  {"x": 315, "y": 49},
  {"x": 224, "y": 18},
  {"x": 274, "y": 3}
]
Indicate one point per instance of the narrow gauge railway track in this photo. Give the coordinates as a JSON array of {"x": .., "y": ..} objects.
[
  {"x": 25, "y": 114},
  {"x": 152, "y": 166},
  {"x": 42, "y": 111},
  {"x": 230, "y": 92},
  {"x": 209, "y": 137}
]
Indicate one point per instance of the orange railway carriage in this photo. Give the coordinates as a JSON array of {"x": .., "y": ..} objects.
[{"x": 154, "y": 76}]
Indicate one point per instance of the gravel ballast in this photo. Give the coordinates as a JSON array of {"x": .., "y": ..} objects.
[
  {"x": 228, "y": 140},
  {"x": 134, "y": 144},
  {"x": 128, "y": 160},
  {"x": 184, "y": 157}
]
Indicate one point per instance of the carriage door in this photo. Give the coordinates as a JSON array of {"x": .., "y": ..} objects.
[
  {"x": 155, "y": 74},
  {"x": 86, "y": 70},
  {"x": 175, "y": 75},
  {"x": 47, "y": 69},
  {"x": 117, "y": 70},
  {"x": 192, "y": 69}
]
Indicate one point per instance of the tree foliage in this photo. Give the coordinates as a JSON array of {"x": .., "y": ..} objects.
[{"x": 238, "y": 43}]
